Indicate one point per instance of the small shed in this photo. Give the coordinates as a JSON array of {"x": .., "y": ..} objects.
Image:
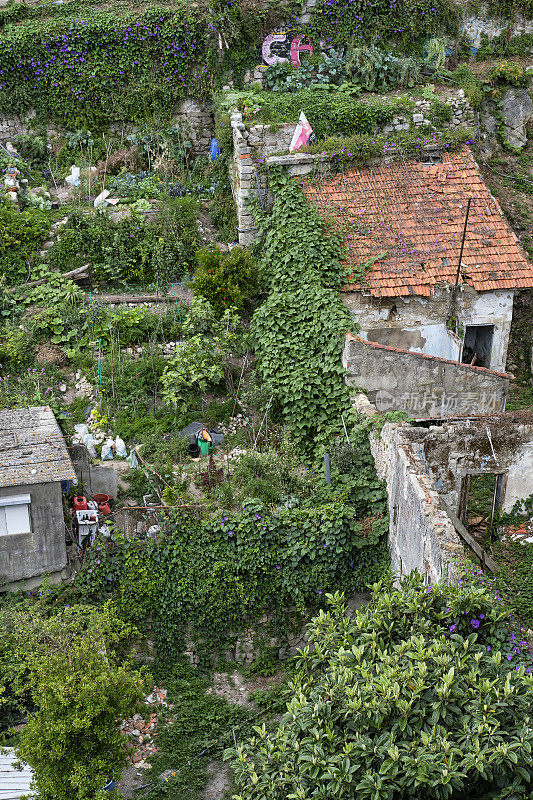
[
  {"x": 14, "y": 783},
  {"x": 33, "y": 462}
]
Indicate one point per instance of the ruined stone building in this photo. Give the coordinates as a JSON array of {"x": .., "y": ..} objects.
[{"x": 403, "y": 223}]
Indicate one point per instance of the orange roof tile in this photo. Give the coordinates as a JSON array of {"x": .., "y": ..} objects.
[{"x": 409, "y": 217}]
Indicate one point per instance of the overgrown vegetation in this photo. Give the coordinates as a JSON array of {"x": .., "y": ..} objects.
[
  {"x": 395, "y": 702},
  {"x": 65, "y": 668}
]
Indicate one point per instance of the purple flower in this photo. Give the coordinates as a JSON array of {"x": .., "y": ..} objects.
[
  {"x": 278, "y": 566},
  {"x": 488, "y": 648},
  {"x": 474, "y": 623},
  {"x": 510, "y": 657},
  {"x": 482, "y": 616},
  {"x": 453, "y": 628}
]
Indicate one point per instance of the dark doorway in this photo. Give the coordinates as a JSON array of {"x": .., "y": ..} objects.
[{"x": 477, "y": 345}]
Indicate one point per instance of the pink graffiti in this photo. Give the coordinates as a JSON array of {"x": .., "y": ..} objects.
[
  {"x": 297, "y": 48},
  {"x": 267, "y": 57}
]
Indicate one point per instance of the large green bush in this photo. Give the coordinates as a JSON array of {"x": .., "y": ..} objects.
[
  {"x": 225, "y": 279},
  {"x": 21, "y": 237},
  {"x": 406, "y": 700},
  {"x": 67, "y": 668}
]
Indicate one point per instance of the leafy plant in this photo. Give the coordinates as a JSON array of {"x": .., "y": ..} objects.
[
  {"x": 225, "y": 279},
  {"x": 395, "y": 702},
  {"x": 79, "y": 687},
  {"x": 196, "y": 366}
]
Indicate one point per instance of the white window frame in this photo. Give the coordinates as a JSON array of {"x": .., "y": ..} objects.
[{"x": 15, "y": 515}]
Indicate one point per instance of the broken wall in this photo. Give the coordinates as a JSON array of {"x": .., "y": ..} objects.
[
  {"x": 456, "y": 449},
  {"x": 423, "y": 386},
  {"x": 419, "y": 323},
  {"x": 421, "y": 535}
]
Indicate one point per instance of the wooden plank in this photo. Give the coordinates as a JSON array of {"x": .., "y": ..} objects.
[{"x": 469, "y": 539}]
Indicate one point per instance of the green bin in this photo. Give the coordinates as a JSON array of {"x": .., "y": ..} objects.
[{"x": 205, "y": 447}]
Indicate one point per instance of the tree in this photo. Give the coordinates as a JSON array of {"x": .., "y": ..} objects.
[
  {"x": 80, "y": 688},
  {"x": 407, "y": 700}
]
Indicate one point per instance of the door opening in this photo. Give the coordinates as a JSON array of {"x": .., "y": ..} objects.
[
  {"x": 477, "y": 345},
  {"x": 480, "y": 502}
]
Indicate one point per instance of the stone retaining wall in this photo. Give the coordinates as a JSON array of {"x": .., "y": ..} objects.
[{"x": 194, "y": 118}]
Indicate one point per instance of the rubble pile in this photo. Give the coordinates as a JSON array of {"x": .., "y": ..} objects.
[
  {"x": 142, "y": 732},
  {"x": 239, "y": 421}
]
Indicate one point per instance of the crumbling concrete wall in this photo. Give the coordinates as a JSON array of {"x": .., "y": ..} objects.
[
  {"x": 456, "y": 449},
  {"x": 423, "y": 386},
  {"x": 419, "y": 323},
  {"x": 421, "y": 535},
  {"x": 41, "y": 551}
]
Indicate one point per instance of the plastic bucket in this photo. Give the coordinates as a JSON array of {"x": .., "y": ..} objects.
[
  {"x": 110, "y": 786},
  {"x": 205, "y": 447},
  {"x": 80, "y": 503}
]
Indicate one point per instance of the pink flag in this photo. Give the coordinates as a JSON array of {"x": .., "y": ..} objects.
[{"x": 302, "y": 133}]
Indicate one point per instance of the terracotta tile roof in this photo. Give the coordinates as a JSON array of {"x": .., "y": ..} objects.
[
  {"x": 351, "y": 337},
  {"x": 409, "y": 218}
]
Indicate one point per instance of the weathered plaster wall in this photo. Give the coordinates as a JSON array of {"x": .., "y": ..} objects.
[
  {"x": 456, "y": 449},
  {"x": 42, "y": 551},
  {"x": 423, "y": 386},
  {"x": 419, "y": 323},
  {"x": 194, "y": 117},
  {"x": 421, "y": 535},
  {"x": 519, "y": 477}
]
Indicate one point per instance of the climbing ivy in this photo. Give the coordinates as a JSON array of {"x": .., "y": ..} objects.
[
  {"x": 212, "y": 579},
  {"x": 403, "y": 24},
  {"x": 299, "y": 330}
]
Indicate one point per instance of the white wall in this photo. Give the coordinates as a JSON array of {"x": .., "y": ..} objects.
[
  {"x": 418, "y": 324},
  {"x": 519, "y": 477}
]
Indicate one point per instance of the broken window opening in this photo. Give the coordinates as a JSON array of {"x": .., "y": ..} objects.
[
  {"x": 477, "y": 345},
  {"x": 480, "y": 502}
]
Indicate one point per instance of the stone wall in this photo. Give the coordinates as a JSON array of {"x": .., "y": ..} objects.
[
  {"x": 474, "y": 25},
  {"x": 254, "y": 145},
  {"x": 421, "y": 535},
  {"x": 195, "y": 119},
  {"x": 423, "y": 386},
  {"x": 43, "y": 551},
  {"x": 456, "y": 449}
]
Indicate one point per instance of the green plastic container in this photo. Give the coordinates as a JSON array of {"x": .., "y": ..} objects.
[{"x": 205, "y": 447}]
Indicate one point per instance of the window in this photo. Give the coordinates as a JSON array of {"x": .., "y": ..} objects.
[
  {"x": 15, "y": 515},
  {"x": 477, "y": 345}
]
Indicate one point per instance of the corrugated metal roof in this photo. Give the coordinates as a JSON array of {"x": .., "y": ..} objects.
[
  {"x": 405, "y": 222},
  {"x": 32, "y": 448},
  {"x": 13, "y": 782}
]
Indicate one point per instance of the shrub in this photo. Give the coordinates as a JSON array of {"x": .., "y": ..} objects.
[
  {"x": 225, "y": 279},
  {"x": 79, "y": 685},
  {"x": 21, "y": 236},
  {"x": 405, "y": 700},
  {"x": 196, "y": 366}
]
